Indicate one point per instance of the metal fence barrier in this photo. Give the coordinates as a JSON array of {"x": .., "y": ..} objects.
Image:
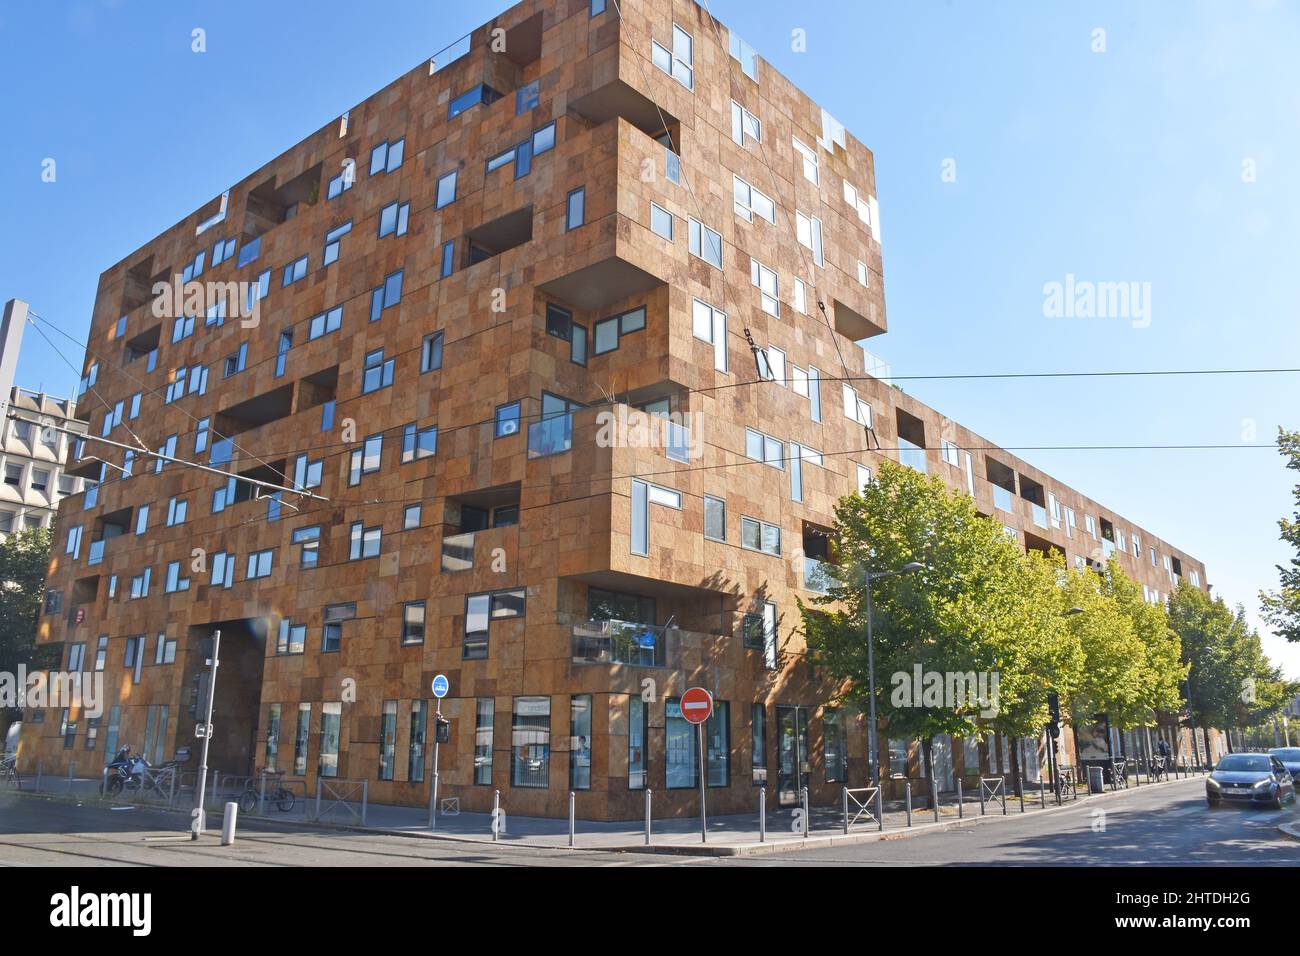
[
  {"x": 993, "y": 790},
  {"x": 336, "y": 793},
  {"x": 860, "y": 801}
]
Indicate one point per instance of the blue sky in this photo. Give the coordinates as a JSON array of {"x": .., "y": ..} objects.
[{"x": 1123, "y": 165}]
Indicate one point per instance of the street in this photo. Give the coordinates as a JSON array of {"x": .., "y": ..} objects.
[{"x": 1146, "y": 826}]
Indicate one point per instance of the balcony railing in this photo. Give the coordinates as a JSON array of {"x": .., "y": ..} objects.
[
  {"x": 458, "y": 552},
  {"x": 818, "y": 576},
  {"x": 1001, "y": 498},
  {"x": 621, "y": 642},
  {"x": 550, "y": 436},
  {"x": 913, "y": 456}
]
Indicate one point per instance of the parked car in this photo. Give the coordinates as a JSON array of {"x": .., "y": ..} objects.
[
  {"x": 1290, "y": 757},
  {"x": 1255, "y": 779}
]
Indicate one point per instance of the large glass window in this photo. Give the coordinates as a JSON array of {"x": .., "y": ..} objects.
[
  {"x": 483, "y": 719},
  {"x": 837, "y": 758},
  {"x": 300, "y": 740},
  {"x": 758, "y": 744},
  {"x": 717, "y": 737},
  {"x": 580, "y": 742},
  {"x": 419, "y": 736},
  {"x": 331, "y": 720},
  {"x": 638, "y": 730},
  {"x": 387, "y": 740},
  {"x": 680, "y": 760},
  {"x": 530, "y": 742},
  {"x": 272, "y": 735}
]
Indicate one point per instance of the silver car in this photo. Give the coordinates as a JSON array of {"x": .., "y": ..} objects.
[
  {"x": 1255, "y": 779},
  {"x": 1290, "y": 757}
]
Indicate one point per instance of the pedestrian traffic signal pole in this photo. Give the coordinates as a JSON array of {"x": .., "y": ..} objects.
[{"x": 196, "y": 829}]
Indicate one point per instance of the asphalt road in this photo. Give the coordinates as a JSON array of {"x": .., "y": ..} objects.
[{"x": 1165, "y": 825}]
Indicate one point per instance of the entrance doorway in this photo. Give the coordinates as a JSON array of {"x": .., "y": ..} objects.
[{"x": 237, "y": 703}]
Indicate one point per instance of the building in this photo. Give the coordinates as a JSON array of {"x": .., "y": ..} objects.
[
  {"x": 32, "y": 456},
  {"x": 455, "y": 295}
]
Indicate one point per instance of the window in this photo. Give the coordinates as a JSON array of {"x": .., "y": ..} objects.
[
  {"x": 559, "y": 323},
  {"x": 672, "y": 166},
  {"x": 431, "y": 353},
  {"x": 376, "y": 373},
  {"x": 14, "y": 475},
  {"x": 679, "y": 62},
  {"x": 142, "y": 519},
  {"x": 950, "y": 454},
  {"x": 413, "y": 623},
  {"x": 862, "y": 273},
  {"x": 419, "y": 736},
  {"x": 484, "y": 711},
  {"x": 530, "y": 742},
  {"x": 809, "y": 161},
  {"x": 182, "y": 328},
  {"x": 335, "y": 235},
  {"x": 854, "y": 407},
  {"x": 387, "y": 156},
  {"x": 101, "y": 652},
  {"x": 527, "y": 97},
  {"x": 705, "y": 243},
  {"x": 364, "y": 460},
  {"x": 140, "y": 584},
  {"x": 715, "y": 518},
  {"x": 332, "y": 628},
  {"x": 41, "y": 480},
  {"x": 758, "y": 745},
  {"x": 419, "y": 443},
  {"x": 293, "y": 272},
  {"x": 309, "y": 539},
  {"x": 760, "y": 536},
  {"x": 223, "y": 570},
  {"x": 177, "y": 509},
  {"x": 645, "y": 494},
  {"x": 387, "y": 295},
  {"x": 717, "y": 745},
  {"x": 292, "y": 638},
  {"x": 575, "y": 208},
  {"x": 808, "y": 230},
  {"x": 193, "y": 269},
  {"x": 393, "y": 219},
  {"x": 507, "y": 420},
  {"x": 744, "y": 124},
  {"x": 300, "y": 740},
  {"x": 661, "y": 222},
  {"x": 480, "y": 95},
  {"x": 365, "y": 541},
  {"x": 339, "y": 184},
  {"x": 410, "y": 517},
  {"x": 446, "y": 190},
  {"x": 743, "y": 52},
  {"x": 133, "y": 659},
  {"x": 749, "y": 202},
  {"x": 764, "y": 448},
  {"x": 308, "y": 473},
  {"x": 448, "y": 258},
  {"x": 482, "y": 608},
  {"x": 236, "y": 362},
  {"x": 325, "y": 323},
  {"x": 330, "y": 720},
  {"x": 681, "y": 765},
  {"x": 249, "y": 252},
  {"x": 580, "y": 742},
  {"x": 259, "y": 564},
  {"x": 769, "y": 288},
  {"x": 833, "y": 749},
  {"x": 607, "y": 332}
]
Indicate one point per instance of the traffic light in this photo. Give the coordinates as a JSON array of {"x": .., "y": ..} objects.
[
  {"x": 1054, "y": 729},
  {"x": 1054, "y": 707},
  {"x": 442, "y": 730}
]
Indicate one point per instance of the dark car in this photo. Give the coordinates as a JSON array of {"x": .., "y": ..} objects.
[
  {"x": 1255, "y": 779},
  {"x": 1290, "y": 757}
]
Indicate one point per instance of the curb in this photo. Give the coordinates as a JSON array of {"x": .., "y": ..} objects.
[
  {"x": 669, "y": 849},
  {"x": 1289, "y": 830}
]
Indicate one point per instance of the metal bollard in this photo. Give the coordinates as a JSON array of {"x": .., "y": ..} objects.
[
  {"x": 1004, "y": 796},
  {"x": 70, "y": 770},
  {"x": 571, "y": 826},
  {"x": 216, "y": 788},
  {"x": 228, "y": 824},
  {"x": 1042, "y": 794},
  {"x": 846, "y": 811},
  {"x": 648, "y": 800},
  {"x": 365, "y": 800},
  {"x": 907, "y": 792},
  {"x": 981, "y": 797},
  {"x": 261, "y": 796},
  {"x": 1022, "y": 796},
  {"x": 171, "y": 788},
  {"x": 934, "y": 797},
  {"x": 762, "y": 816},
  {"x": 318, "y": 786},
  {"x": 880, "y": 808},
  {"x": 807, "y": 819},
  {"x": 38, "y": 774},
  {"x": 961, "y": 802},
  {"x": 103, "y": 782},
  {"x": 496, "y": 813}
]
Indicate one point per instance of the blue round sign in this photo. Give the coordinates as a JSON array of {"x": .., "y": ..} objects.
[{"x": 440, "y": 686}]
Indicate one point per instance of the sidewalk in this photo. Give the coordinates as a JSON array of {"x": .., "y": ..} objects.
[{"x": 728, "y": 835}]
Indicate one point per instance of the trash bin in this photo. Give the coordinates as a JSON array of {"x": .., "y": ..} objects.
[{"x": 1096, "y": 779}]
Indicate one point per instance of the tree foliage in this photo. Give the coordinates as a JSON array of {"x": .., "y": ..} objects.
[{"x": 1281, "y": 608}]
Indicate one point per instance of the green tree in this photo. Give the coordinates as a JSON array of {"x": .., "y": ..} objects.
[
  {"x": 1281, "y": 608},
  {"x": 974, "y": 608},
  {"x": 24, "y": 559}
]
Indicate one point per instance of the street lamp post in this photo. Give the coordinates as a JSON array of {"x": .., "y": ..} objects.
[{"x": 872, "y": 744}]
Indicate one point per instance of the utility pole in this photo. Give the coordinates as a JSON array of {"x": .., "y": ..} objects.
[{"x": 196, "y": 830}]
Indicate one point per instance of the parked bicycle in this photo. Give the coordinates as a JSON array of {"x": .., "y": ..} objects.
[
  {"x": 9, "y": 772},
  {"x": 276, "y": 793},
  {"x": 1158, "y": 769}
]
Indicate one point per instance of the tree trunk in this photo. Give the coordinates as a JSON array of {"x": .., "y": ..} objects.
[
  {"x": 927, "y": 748},
  {"x": 1015, "y": 765}
]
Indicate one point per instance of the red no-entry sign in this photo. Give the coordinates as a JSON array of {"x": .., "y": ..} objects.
[{"x": 697, "y": 705}]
